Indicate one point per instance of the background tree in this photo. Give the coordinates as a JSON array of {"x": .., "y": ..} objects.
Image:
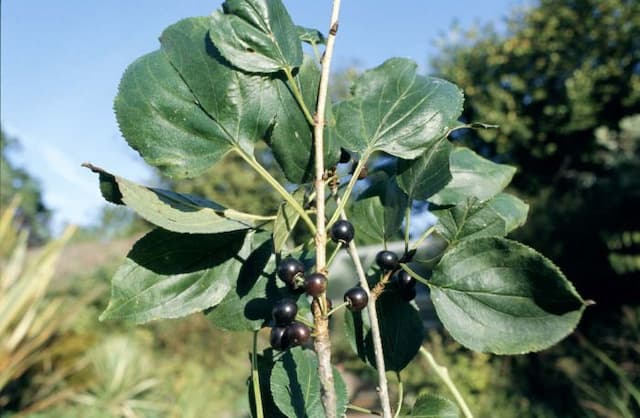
[
  {"x": 32, "y": 212},
  {"x": 563, "y": 83}
]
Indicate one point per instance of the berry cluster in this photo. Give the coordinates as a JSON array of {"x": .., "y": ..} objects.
[
  {"x": 287, "y": 333},
  {"x": 406, "y": 285}
]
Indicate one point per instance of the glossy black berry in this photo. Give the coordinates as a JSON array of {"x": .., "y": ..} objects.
[
  {"x": 315, "y": 284},
  {"x": 408, "y": 293},
  {"x": 296, "y": 334},
  {"x": 284, "y": 311},
  {"x": 345, "y": 157},
  {"x": 387, "y": 260},
  {"x": 276, "y": 338},
  {"x": 357, "y": 299},
  {"x": 405, "y": 281},
  {"x": 289, "y": 268},
  {"x": 342, "y": 231}
]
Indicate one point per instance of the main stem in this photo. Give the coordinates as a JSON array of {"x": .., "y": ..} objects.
[{"x": 322, "y": 341}]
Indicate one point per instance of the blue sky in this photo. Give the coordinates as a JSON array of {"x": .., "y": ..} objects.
[{"x": 61, "y": 63}]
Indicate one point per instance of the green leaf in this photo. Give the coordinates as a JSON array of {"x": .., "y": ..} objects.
[
  {"x": 292, "y": 137},
  {"x": 161, "y": 119},
  {"x": 499, "y": 296},
  {"x": 400, "y": 328},
  {"x": 172, "y": 211},
  {"x": 269, "y": 409},
  {"x": 378, "y": 212},
  {"x": 472, "y": 219},
  {"x": 170, "y": 275},
  {"x": 295, "y": 385},
  {"x": 256, "y": 35},
  {"x": 310, "y": 36},
  {"x": 428, "y": 174},
  {"x": 473, "y": 176},
  {"x": 248, "y": 304},
  {"x": 286, "y": 220},
  {"x": 397, "y": 111},
  {"x": 241, "y": 105},
  {"x": 433, "y": 406}
]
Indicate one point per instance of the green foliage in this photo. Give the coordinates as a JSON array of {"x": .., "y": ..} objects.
[
  {"x": 237, "y": 81},
  {"x": 500, "y": 296},
  {"x": 432, "y": 406},
  {"x": 295, "y": 385},
  {"x": 563, "y": 84},
  {"x": 33, "y": 213}
]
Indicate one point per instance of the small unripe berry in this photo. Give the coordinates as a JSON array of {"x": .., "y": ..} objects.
[
  {"x": 315, "y": 284},
  {"x": 289, "y": 268},
  {"x": 284, "y": 311},
  {"x": 342, "y": 231},
  {"x": 387, "y": 260},
  {"x": 296, "y": 334},
  {"x": 357, "y": 299}
]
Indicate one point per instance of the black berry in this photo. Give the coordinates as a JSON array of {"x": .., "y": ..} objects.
[
  {"x": 405, "y": 281},
  {"x": 387, "y": 260},
  {"x": 356, "y": 298},
  {"x": 408, "y": 293},
  {"x": 296, "y": 334},
  {"x": 342, "y": 231},
  {"x": 315, "y": 284},
  {"x": 276, "y": 338},
  {"x": 284, "y": 311},
  {"x": 289, "y": 268}
]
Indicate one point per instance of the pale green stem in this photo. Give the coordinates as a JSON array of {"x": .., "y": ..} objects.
[
  {"x": 255, "y": 377},
  {"x": 316, "y": 52},
  {"x": 337, "y": 308},
  {"x": 298, "y": 95},
  {"x": 278, "y": 188},
  {"x": 407, "y": 226},
  {"x": 237, "y": 215},
  {"x": 415, "y": 275},
  {"x": 333, "y": 255},
  {"x": 400, "y": 396},
  {"x": 424, "y": 236},
  {"x": 363, "y": 410},
  {"x": 443, "y": 374},
  {"x": 347, "y": 192}
]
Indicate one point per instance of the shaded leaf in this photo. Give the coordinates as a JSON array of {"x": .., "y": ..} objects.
[
  {"x": 286, "y": 219},
  {"x": 170, "y": 275},
  {"x": 256, "y": 35},
  {"x": 269, "y": 408},
  {"x": 172, "y": 211},
  {"x": 472, "y": 219},
  {"x": 400, "y": 327},
  {"x": 499, "y": 296},
  {"x": 428, "y": 174},
  {"x": 295, "y": 385},
  {"x": 378, "y": 212},
  {"x": 292, "y": 137},
  {"x": 397, "y": 111},
  {"x": 247, "y": 306},
  {"x": 433, "y": 406},
  {"x": 310, "y": 36},
  {"x": 473, "y": 176}
]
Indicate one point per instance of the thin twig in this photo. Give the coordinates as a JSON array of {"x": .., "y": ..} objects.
[
  {"x": 443, "y": 373},
  {"x": 322, "y": 342},
  {"x": 255, "y": 377},
  {"x": 400, "y": 395}
]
